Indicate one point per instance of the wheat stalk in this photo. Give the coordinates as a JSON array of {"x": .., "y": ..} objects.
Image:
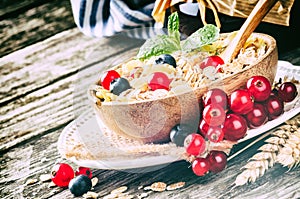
[
  {"x": 283, "y": 147},
  {"x": 289, "y": 155}
]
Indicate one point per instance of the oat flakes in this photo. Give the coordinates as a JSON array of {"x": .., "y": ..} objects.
[
  {"x": 175, "y": 186},
  {"x": 90, "y": 195},
  {"x": 119, "y": 190},
  {"x": 94, "y": 181},
  {"x": 159, "y": 186}
]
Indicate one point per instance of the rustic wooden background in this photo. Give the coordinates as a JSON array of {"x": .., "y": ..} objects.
[{"x": 42, "y": 53}]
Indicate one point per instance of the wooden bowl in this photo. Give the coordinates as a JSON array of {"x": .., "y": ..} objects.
[{"x": 151, "y": 121}]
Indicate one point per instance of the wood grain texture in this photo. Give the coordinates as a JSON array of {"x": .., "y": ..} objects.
[
  {"x": 47, "y": 79},
  {"x": 32, "y": 24},
  {"x": 50, "y": 60},
  {"x": 289, "y": 56},
  {"x": 13, "y": 8}
]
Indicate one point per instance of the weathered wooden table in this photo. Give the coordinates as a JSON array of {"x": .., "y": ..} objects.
[{"x": 44, "y": 78}]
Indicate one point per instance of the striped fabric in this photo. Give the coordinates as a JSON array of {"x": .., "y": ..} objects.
[{"x": 104, "y": 18}]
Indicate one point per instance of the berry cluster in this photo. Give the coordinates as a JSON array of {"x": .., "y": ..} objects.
[
  {"x": 227, "y": 117},
  {"x": 111, "y": 80},
  {"x": 223, "y": 116},
  {"x": 78, "y": 182}
]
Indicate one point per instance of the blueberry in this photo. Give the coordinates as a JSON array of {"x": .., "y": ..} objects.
[
  {"x": 80, "y": 185},
  {"x": 118, "y": 85},
  {"x": 166, "y": 59},
  {"x": 178, "y": 134}
]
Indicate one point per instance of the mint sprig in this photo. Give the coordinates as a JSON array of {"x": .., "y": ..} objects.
[
  {"x": 166, "y": 44},
  {"x": 162, "y": 44},
  {"x": 206, "y": 35}
]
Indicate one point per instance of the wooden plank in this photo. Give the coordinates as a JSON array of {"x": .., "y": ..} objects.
[
  {"x": 59, "y": 56},
  {"x": 12, "y": 8},
  {"x": 47, "y": 107},
  {"x": 34, "y": 25},
  {"x": 289, "y": 56},
  {"x": 37, "y": 157}
]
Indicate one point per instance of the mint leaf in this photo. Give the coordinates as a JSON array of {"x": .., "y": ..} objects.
[
  {"x": 166, "y": 44},
  {"x": 173, "y": 26},
  {"x": 161, "y": 44},
  {"x": 206, "y": 35}
]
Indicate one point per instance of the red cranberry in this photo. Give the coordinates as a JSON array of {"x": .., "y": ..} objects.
[
  {"x": 274, "y": 106},
  {"x": 216, "y": 96},
  {"x": 194, "y": 144},
  {"x": 84, "y": 171},
  {"x": 108, "y": 77},
  {"x": 203, "y": 127},
  {"x": 259, "y": 87},
  {"x": 212, "y": 61},
  {"x": 62, "y": 174},
  {"x": 235, "y": 127},
  {"x": 287, "y": 91},
  {"x": 241, "y": 101},
  {"x": 215, "y": 134},
  {"x": 214, "y": 114},
  {"x": 200, "y": 166},
  {"x": 159, "y": 80},
  {"x": 257, "y": 116},
  {"x": 217, "y": 160}
]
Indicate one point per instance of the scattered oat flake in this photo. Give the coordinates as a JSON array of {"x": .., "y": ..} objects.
[
  {"x": 140, "y": 187},
  {"x": 109, "y": 196},
  {"x": 119, "y": 190},
  {"x": 51, "y": 184},
  {"x": 90, "y": 195},
  {"x": 175, "y": 186},
  {"x": 159, "y": 186},
  {"x": 147, "y": 188},
  {"x": 94, "y": 181},
  {"x": 31, "y": 181},
  {"x": 142, "y": 195},
  {"x": 45, "y": 177}
]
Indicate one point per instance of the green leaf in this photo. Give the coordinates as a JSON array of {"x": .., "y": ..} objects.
[
  {"x": 166, "y": 44},
  {"x": 161, "y": 44},
  {"x": 173, "y": 26},
  {"x": 206, "y": 35}
]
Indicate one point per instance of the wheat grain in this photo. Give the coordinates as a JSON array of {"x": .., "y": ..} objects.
[
  {"x": 282, "y": 147},
  {"x": 257, "y": 165},
  {"x": 289, "y": 155}
]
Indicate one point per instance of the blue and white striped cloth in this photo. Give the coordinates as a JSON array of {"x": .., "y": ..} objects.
[{"x": 104, "y": 18}]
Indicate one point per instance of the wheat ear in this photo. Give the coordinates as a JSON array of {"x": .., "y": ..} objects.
[
  {"x": 282, "y": 138},
  {"x": 289, "y": 155}
]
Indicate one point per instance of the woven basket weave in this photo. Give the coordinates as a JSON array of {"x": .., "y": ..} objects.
[{"x": 279, "y": 14}]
